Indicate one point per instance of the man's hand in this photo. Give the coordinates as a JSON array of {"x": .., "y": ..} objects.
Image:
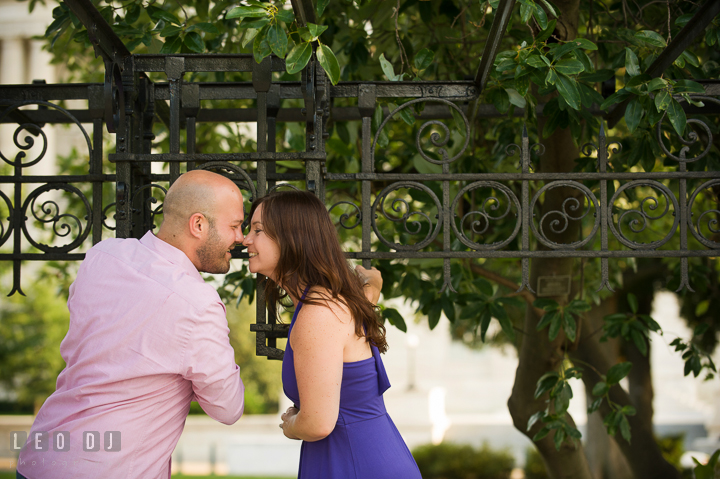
[{"x": 372, "y": 282}]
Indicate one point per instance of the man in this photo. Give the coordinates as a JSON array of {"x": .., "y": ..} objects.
[{"x": 147, "y": 336}]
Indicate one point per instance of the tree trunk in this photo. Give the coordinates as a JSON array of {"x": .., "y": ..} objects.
[{"x": 604, "y": 456}]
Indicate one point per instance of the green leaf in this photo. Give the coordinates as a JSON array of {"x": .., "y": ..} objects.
[
  {"x": 535, "y": 418},
  {"x": 434, "y": 314},
  {"x": 316, "y": 30},
  {"x": 595, "y": 405},
  {"x": 408, "y": 117},
  {"x": 701, "y": 328},
  {"x": 617, "y": 372},
  {"x": 243, "y": 12},
  {"x": 632, "y": 302},
  {"x": 424, "y": 59},
  {"x": 133, "y": 14},
  {"x": 631, "y": 63},
  {"x": 546, "y": 382},
  {"x": 286, "y": 16},
  {"x": 688, "y": 86},
  {"x": 549, "y": 7},
  {"x": 485, "y": 318},
  {"x": 541, "y": 17},
  {"x": 261, "y": 47},
  {"x": 569, "y": 66},
  {"x": 170, "y": 30},
  {"x": 578, "y": 306},
  {"x": 158, "y": 14},
  {"x": 555, "y": 326},
  {"x": 677, "y": 117},
  {"x": 277, "y": 39},
  {"x": 662, "y": 100},
  {"x": 559, "y": 438},
  {"x": 171, "y": 45},
  {"x": 625, "y": 428},
  {"x": 329, "y": 63},
  {"x": 596, "y": 76},
  {"x": 526, "y": 12},
  {"x": 194, "y": 42},
  {"x": 616, "y": 97},
  {"x": 204, "y": 27},
  {"x": 656, "y": 84},
  {"x": 546, "y": 303},
  {"x": 568, "y": 89},
  {"x": 633, "y": 114},
  {"x": 541, "y": 433},
  {"x": 321, "y": 5},
  {"x": 515, "y": 98},
  {"x": 585, "y": 44},
  {"x": 248, "y": 36},
  {"x": 639, "y": 341},
  {"x": 600, "y": 389},
  {"x": 651, "y": 38},
  {"x": 459, "y": 122},
  {"x": 570, "y": 326},
  {"x": 546, "y": 320},
  {"x": 298, "y": 57},
  {"x": 387, "y": 68},
  {"x": 535, "y": 61},
  {"x": 395, "y": 318}
]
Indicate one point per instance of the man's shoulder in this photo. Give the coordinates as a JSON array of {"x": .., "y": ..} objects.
[{"x": 147, "y": 265}]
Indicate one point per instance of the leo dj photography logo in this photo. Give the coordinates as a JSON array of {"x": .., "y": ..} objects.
[{"x": 59, "y": 441}]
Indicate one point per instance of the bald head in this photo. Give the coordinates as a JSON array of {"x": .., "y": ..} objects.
[
  {"x": 196, "y": 191},
  {"x": 200, "y": 209}
]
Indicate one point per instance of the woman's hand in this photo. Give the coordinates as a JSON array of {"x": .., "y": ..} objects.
[
  {"x": 287, "y": 419},
  {"x": 372, "y": 282}
]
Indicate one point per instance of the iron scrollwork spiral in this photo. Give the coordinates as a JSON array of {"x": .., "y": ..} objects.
[
  {"x": 711, "y": 222},
  {"x": 63, "y": 224},
  {"x": 640, "y": 218},
  {"x": 412, "y": 227},
  {"x": 435, "y": 138},
  {"x": 32, "y": 128},
  {"x": 693, "y": 137},
  {"x": 344, "y": 217},
  {"x": 148, "y": 201},
  {"x": 571, "y": 210},
  {"x": 5, "y": 233},
  {"x": 481, "y": 225}
]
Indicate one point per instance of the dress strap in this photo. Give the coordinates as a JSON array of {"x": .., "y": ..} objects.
[
  {"x": 297, "y": 310},
  {"x": 383, "y": 380}
]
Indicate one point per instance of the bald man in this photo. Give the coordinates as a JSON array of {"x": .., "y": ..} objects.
[{"x": 147, "y": 336}]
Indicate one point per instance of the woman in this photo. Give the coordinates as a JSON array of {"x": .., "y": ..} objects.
[{"x": 332, "y": 369}]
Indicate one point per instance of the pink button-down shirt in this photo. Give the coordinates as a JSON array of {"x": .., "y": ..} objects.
[{"x": 147, "y": 336}]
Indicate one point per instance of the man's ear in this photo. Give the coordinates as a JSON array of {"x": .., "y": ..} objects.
[{"x": 197, "y": 225}]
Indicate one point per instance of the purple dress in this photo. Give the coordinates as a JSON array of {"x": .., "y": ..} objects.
[{"x": 365, "y": 443}]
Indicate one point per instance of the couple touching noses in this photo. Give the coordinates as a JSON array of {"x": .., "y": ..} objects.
[{"x": 147, "y": 336}]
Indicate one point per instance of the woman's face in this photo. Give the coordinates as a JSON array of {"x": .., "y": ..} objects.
[{"x": 264, "y": 252}]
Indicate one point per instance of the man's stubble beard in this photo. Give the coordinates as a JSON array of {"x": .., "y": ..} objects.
[{"x": 212, "y": 255}]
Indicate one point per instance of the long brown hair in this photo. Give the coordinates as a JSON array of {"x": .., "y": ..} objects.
[{"x": 310, "y": 255}]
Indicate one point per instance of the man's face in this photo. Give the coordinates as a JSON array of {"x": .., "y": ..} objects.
[{"x": 223, "y": 234}]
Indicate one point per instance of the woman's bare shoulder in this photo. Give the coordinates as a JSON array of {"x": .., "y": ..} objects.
[{"x": 325, "y": 306}]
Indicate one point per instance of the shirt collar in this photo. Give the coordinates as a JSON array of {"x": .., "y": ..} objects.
[{"x": 170, "y": 253}]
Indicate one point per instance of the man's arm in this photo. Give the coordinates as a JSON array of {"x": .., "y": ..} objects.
[{"x": 210, "y": 366}]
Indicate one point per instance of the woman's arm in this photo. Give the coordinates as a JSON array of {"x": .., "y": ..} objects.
[
  {"x": 318, "y": 340},
  {"x": 372, "y": 282}
]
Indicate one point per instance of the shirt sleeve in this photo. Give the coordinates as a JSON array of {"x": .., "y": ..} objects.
[{"x": 210, "y": 365}]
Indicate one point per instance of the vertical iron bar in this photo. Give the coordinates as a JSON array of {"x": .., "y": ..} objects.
[
  {"x": 175, "y": 68},
  {"x": 682, "y": 201},
  {"x": 366, "y": 105},
  {"x": 191, "y": 107},
  {"x": 525, "y": 166},
  {"x": 605, "y": 209},
  {"x": 445, "y": 217},
  {"x": 95, "y": 102},
  {"x": 17, "y": 220}
]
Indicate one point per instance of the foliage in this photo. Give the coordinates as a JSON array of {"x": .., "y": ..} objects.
[
  {"x": 633, "y": 327},
  {"x": 456, "y": 461},
  {"x": 534, "y": 465},
  {"x": 709, "y": 470},
  {"x": 32, "y": 328},
  {"x": 672, "y": 448}
]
